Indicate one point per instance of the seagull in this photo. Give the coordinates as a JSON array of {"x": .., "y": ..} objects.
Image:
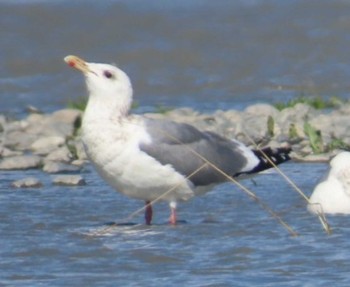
[
  {"x": 152, "y": 159},
  {"x": 332, "y": 195}
]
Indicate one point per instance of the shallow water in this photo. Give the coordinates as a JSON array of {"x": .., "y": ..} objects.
[
  {"x": 59, "y": 236},
  {"x": 178, "y": 53},
  {"x": 203, "y": 54}
]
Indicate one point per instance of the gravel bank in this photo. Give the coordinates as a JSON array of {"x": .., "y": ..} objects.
[{"x": 52, "y": 143}]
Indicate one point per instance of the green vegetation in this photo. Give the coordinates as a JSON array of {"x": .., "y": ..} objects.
[
  {"x": 338, "y": 144},
  {"x": 161, "y": 109},
  {"x": 315, "y": 138},
  {"x": 270, "y": 126},
  {"x": 292, "y": 132},
  {"x": 78, "y": 104},
  {"x": 317, "y": 102},
  {"x": 316, "y": 141},
  {"x": 72, "y": 149}
]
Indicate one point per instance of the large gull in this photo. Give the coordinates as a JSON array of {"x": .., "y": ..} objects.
[
  {"x": 152, "y": 159},
  {"x": 332, "y": 195}
]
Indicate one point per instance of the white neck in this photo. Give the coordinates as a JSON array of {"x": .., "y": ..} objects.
[
  {"x": 108, "y": 104},
  {"x": 99, "y": 110}
]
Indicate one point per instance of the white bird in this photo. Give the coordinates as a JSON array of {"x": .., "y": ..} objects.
[
  {"x": 152, "y": 159},
  {"x": 332, "y": 195}
]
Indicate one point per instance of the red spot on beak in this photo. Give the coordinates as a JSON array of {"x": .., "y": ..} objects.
[{"x": 71, "y": 63}]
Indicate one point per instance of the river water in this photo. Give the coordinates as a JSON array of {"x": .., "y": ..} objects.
[
  {"x": 203, "y": 54},
  {"x": 207, "y": 55},
  {"x": 60, "y": 236}
]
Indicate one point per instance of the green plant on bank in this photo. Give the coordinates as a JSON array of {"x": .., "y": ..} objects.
[
  {"x": 161, "y": 109},
  {"x": 292, "y": 132},
  {"x": 317, "y": 102},
  {"x": 78, "y": 104},
  {"x": 315, "y": 138},
  {"x": 72, "y": 149},
  {"x": 316, "y": 141},
  {"x": 270, "y": 126},
  {"x": 338, "y": 144}
]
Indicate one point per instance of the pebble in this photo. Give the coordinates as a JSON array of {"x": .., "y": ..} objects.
[
  {"x": 28, "y": 182},
  {"x": 68, "y": 180}
]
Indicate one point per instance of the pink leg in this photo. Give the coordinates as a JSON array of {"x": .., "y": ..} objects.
[
  {"x": 173, "y": 219},
  {"x": 148, "y": 213}
]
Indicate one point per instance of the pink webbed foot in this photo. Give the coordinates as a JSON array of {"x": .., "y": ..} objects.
[{"x": 173, "y": 219}]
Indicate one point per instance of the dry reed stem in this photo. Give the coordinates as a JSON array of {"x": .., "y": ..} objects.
[
  {"x": 227, "y": 176},
  {"x": 321, "y": 214},
  {"x": 245, "y": 189}
]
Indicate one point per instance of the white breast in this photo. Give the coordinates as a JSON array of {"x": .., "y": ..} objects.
[
  {"x": 113, "y": 148},
  {"x": 331, "y": 197}
]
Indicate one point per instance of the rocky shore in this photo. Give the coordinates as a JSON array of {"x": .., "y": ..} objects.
[{"x": 51, "y": 142}]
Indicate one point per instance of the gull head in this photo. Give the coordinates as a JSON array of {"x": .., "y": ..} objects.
[{"x": 108, "y": 86}]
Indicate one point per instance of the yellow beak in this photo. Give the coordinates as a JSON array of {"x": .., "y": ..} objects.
[{"x": 77, "y": 63}]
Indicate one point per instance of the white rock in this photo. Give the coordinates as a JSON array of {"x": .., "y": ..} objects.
[
  {"x": 20, "y": 162},
  {"x": 61, "y": 123},
  {"x": 5, "y": 152},
  {"x": 19, "y": 140},
  {"x": 27, "y": 183},
  {"x": 68, "y": 180},
  {"x": 58, "y": 167},
  {"x": 262, "y": 110},
  {"x": 297, "y": 116},
  {"x": 80, "y": 162},
  {"x": 61, "y": 154},
  {"x": 45, "y": 145},
  {"x": 69, "y": 116}
]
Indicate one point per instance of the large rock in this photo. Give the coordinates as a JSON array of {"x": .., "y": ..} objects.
[
  {"x": 59, "y": 167},
  {"x": 40, "y": 132},
  {"x": 61, "y": 154},
  {"x": 229, "y": 123},
  {"x": 20, "y": 162},
  {"x": 62, "y": 123},
  {"x": 295, "y": 116},
  {"x": 262, "y": 110},
  {"x": 6, "y": 152},
  {"x": 332, "y": 125},
  {"x": 69, "y": 116},
  {"x": 45, "y": 145},
  {"x": 16, "y": 137}
]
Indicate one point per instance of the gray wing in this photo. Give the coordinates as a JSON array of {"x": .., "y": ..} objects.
[{"x": 176, "y": 144}]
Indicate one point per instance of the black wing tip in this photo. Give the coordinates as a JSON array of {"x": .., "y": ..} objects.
[
  {"x": 270, "y": 157},
  {"x": 281, "y": 154}
]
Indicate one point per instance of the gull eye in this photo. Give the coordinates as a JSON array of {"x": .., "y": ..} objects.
[{"x": 108, "y": 74}]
